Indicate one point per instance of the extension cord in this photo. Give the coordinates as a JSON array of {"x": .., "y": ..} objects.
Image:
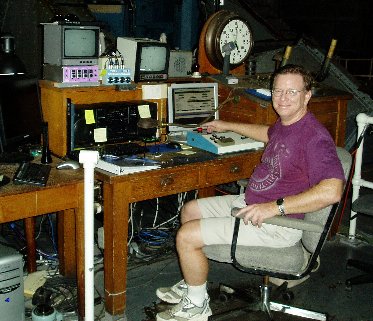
[{"x": 33, "y": 281}]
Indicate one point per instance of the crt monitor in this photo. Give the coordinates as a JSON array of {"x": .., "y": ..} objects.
[
  {"x": 20, "y": 113},
  {"x": 190, "y": 105},
  {"x": 147, "y": 59},
  {"x": 71, "y": 45}
]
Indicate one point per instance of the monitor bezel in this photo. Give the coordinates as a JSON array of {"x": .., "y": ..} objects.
[
  {"x": 20, "y": 124},
  {"x": 139, "y": 72},
  {"x": 173, "y": 127}
]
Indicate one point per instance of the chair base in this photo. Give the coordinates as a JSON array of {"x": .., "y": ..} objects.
[
  {"x": 268, "y": 307},
  {"x": 360, "y": 279},
  {"x": 297, "y": 311}
]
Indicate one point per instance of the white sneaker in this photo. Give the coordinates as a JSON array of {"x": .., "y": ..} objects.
[
  {"x": 172, "y": 294},
  {"x": 187, "y": 310}
]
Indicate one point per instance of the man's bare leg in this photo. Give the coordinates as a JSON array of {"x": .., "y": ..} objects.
[
  {"x": 190, "y": 212},
  {"x": 193, "y": 262}
]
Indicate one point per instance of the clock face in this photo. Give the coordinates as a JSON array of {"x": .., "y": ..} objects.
[
  {"x": 238, "y": 32},
  {"x": 228, "y": 27}
]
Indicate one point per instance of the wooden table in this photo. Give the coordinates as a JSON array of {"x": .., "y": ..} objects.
[
  {"x": 120, "y": 191},
  {"x": 63, "y": 194}
]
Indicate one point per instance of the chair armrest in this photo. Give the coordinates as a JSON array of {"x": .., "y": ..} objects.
[
  {"x": 295, "y": 224},
  {"x": 289, "y": 222}
]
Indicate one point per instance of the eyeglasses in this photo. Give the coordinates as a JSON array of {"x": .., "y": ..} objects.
[{"x": 288, "y": 92}]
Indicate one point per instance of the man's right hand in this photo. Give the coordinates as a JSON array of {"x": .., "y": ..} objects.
[{"x": 217, "y": 126}]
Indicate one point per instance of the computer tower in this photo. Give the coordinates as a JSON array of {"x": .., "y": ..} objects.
[{"x": 12, "y": 303}]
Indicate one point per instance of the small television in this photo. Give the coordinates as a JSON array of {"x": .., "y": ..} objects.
[
  {"x": 147, "y": 59},
  {"x": 190, "y": 105},
  {"x": 20, "y": 113},
  {"x": 70, "y": 44}
]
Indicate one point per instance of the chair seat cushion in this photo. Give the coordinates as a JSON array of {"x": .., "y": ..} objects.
[{"x": 284, "y": 260}]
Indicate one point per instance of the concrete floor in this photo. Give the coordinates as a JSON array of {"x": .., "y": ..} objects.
[{"x": 325, "y": 291}]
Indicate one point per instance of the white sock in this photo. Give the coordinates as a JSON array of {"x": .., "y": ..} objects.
[{"x": 197, "y": 293}]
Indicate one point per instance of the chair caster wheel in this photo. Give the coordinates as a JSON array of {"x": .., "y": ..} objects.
[
  {"x": 288, "y": 295},
  {"x": 225, "y": 293},
  {"x": 224, "y": 297}
]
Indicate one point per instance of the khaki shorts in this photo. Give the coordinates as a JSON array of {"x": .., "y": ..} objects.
[{"x": 217, "y": 225}]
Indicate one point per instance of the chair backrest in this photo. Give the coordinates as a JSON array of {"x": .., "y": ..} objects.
[{"x": 310, "y": 240}]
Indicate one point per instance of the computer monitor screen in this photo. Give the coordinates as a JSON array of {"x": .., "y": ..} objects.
[
  {"x": 80, "y": 42},
  {"x": 153, "y": 58},
  {"x": 20, "y": 114},
  {"x": 190, "y": 105}
]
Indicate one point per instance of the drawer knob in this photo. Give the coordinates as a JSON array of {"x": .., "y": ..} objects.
[
  {"x": 235, "y": 169},
  {"x": 165, "y": 181}
]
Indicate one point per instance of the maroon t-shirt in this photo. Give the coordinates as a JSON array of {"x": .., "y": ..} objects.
[{"x": 296, "y": 157}]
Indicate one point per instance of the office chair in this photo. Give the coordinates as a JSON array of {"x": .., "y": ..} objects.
[
  {"x": 290, "y": 263},
  {"x": 360, "y": 203}
]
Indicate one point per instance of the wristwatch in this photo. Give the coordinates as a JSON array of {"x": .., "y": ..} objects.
[{"x": 281, "y": 208}]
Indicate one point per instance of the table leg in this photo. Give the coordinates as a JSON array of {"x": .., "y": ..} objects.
[
  {"x": 116, "y": 207},
  {"x": 31, "y": 244},
  {"x": 66, "y": 242}
]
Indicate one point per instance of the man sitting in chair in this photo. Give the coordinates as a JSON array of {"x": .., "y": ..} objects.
[{"x": 299, "y": 173}]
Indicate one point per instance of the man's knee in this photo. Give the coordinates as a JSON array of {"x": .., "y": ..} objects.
[
  {"x": 189, "y": 236},
  {"x": 190, "y": 211}
]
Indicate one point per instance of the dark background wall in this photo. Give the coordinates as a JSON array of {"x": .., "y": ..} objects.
[{"x": 348, "y": 21}]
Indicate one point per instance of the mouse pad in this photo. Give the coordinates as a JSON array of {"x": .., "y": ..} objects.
[{"x": 162, "y": 148}]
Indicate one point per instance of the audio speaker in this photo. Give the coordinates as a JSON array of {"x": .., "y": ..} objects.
[
  {"x": 12, "y": 302},
  {"x": 180, "y": 64}
]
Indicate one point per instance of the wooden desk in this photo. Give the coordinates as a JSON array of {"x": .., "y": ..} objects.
[
  {"x": 64, "y": 194},
  {"x": 120, "y": 191}
]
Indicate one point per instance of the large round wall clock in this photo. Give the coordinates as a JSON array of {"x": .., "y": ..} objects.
[{"x": 224, "y": 27}]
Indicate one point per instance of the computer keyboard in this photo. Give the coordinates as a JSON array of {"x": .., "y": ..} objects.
[
  {"x": 32, "y": 173},
  {"x": 116, "y": 150},
  {"x": 127, "y": 149}
]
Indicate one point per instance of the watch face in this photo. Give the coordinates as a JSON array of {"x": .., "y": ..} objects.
[{"x": 238, "y": 32}]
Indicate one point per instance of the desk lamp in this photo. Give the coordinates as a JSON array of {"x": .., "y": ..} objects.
[{"x": 10, "y": 64}]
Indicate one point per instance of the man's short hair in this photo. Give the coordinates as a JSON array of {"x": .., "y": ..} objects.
[{"x": 297, "y": 70}]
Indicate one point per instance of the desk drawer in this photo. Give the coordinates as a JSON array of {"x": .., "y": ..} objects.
[
  {"x": 226, "y": 171},
  {"x": 171, "y": 182},
  {"x": 229, "y": 170}
]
